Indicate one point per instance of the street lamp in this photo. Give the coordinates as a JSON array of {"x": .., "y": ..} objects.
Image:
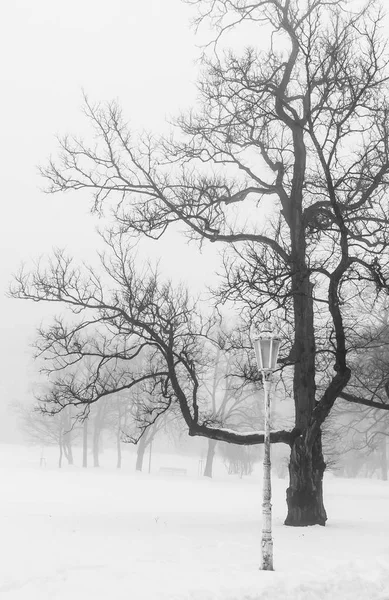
[{"x": 266, "y": 346}]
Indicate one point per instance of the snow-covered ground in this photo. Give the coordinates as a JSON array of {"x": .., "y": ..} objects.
[{"x": 94, "y": 534}]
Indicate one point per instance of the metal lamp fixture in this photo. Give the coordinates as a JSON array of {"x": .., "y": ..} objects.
[{"x": 266, "y": 346}]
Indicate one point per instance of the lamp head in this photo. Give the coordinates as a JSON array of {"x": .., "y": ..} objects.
[{"x": 266, "y": 345}]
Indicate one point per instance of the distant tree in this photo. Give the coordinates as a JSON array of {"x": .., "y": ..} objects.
[
  {"x": 230, "y": 404},
  {"x": 361, "y": 448},
  {"x": 145, "y": 422},
  {"x": 239, "y": 460},
  {"x": 48, "y": 430},
  {"x": 85, "y": 441},
  {"x": 121, "y": 413},
  {"x": 94, "y": 378},
  {"x": 361, "y": 430},
  {"x": 98, "y": 413},
  {"x": 145, "y": 442},
  {"x": 358, "y": 441}
]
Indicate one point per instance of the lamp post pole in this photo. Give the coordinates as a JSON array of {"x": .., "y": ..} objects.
[
  {"x": 266, "y": 346},
  {"x": 267, "y": 540}
]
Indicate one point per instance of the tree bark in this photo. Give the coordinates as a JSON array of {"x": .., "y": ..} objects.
[
  {"x": 304, "y": 495},
  {"x": 306, "y": 467},
  {"x": 210, "y": 457},
  {"x": 85, "y": 444}
]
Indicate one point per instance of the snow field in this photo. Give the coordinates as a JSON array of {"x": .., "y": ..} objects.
[{"x": 75, "y": 534}]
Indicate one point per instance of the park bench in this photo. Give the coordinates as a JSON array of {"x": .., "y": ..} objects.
[{"x": 172, "y": 470}]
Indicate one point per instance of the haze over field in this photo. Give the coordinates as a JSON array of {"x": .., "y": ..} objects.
[{"x": 142, "y": 53}]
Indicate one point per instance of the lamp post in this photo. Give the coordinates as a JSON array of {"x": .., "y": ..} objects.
[{"x": 266, "y": 347}]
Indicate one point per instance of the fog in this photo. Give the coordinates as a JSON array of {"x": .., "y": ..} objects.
[
  {"x": 144, "y": 55},
  {"x": 175, "y": 516}
]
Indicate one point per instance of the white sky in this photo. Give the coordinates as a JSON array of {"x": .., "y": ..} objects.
[{"x": 142, "y": 53}]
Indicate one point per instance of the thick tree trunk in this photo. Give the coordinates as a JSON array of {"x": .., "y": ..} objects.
[
  {"x": 210, "y": 457},
  {"x": 305, "y": 492},
  {"x": 306, "y": 467},
  {"x": 85, "y": 444}
]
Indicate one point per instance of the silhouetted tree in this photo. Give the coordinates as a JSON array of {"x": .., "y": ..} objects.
[{"x": 285, "y": 163}]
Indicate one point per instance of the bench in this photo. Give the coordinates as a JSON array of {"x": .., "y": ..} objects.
[{"x": 172, "y": 470}]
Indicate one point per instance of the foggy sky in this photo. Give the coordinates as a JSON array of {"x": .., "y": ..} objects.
[{"x": 141, "y": 53}]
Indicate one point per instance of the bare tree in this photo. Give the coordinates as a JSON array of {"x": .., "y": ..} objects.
[
  {"x": 359, "y": 441},
  {"x": 362, "y": 428},
  {"x": 48, "y": 430},
  {"x": 239, "y": 460},
  {"x": 230, "y": 404},
  {"x": 298, "y": 133},
  {"x": 146, "y": 442}
]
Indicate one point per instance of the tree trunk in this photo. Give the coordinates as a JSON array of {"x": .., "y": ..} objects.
[
  {"x": 60, "y": 451},
  {"x": 96, "y": 435},
  {"x": 67, "y": 436},
  {"x": 97, "y": 428},
  {"x": 210, "y": 457},
  {"x": 384, "y": 460},
  {"x": 69, "y": 453},
  {"x": 306, "y": 467},
  {"x": 150, "y": 452},
  {"x": 95, "y": 443},
  {"x": 140, "y": 452},
  {"x": 85, "y": 444},
  {"x": 305, "y": 492},
  {"x": 119, "y": 448},
  {"x": 118, "y": 433}
]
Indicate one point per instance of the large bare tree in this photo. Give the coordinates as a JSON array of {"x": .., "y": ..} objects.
[{"x": 284, "y": 163}]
